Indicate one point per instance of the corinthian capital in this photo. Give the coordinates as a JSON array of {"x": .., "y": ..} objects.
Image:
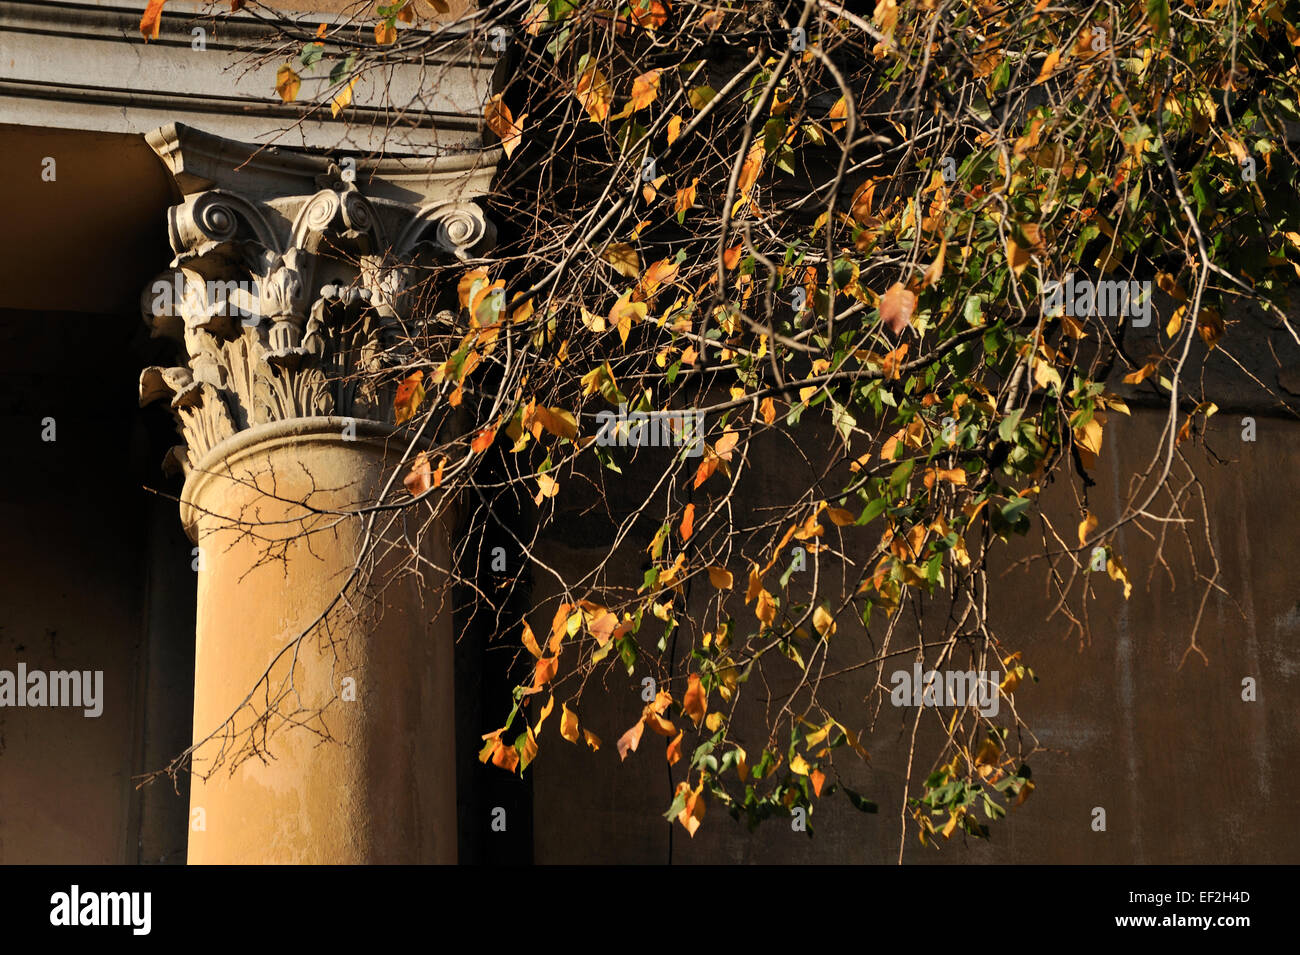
[{"x": 290, "y": 282}]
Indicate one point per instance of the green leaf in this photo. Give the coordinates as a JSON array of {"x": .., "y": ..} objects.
[{"x": 860, "y": 803}]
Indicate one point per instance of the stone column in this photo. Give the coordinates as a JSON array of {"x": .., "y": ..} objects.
[{"x": 324, "y": 719}]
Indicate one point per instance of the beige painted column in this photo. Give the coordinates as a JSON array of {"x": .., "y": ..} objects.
[
  {"x": 339, "y": 746},
  {"x": 324, "y": 717}
]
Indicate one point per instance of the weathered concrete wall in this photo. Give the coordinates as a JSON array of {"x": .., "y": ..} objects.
[{"x": 1186, "y": 770}]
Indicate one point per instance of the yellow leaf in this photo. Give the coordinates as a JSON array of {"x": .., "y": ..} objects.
[
  {"x": 1116, "y": 570},
  {"x": 592, "y": 739},
  {"x": 530, "y": 642},
  {"x": 385, "y": 33},
  {"x": 720, "y": 577},
  {"x": 624, "y": 259},
  {"x": 594, "y": 94},
  {"x": 343, "y": 98},
  {"x": 841, "y": 517},
  {"x": 1086, "y": 527},
  {"x": 799, "y": 765},
  {"x": 624, "y": 313},
  {"x": 767, "y": 408},
  {"x": 568, "y": 723},
  {"x": 765, "y": 608},
  {"x": 287, "y": 83},
  {"x": 824, "y": 622}
]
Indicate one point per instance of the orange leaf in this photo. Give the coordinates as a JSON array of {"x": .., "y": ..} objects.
[
  {"x": 505, "y": 757},
  {"x": 385, "y": 33},
  {"x": 694, "y": 701},
  {"x": 731, "y": 257},
  {"x": 818, "y": 778},
  {"x": 409, "y": 395},
  {"x": 688, "y": 522},
  {"x": 544, "y": 671},
  {"x": 675, "y": 749},
  {"x": 592, "y": 739},
  {"x": 629, "y": 741},
  {"x": 896, "y": 307},
  {"x": 1049, "y": 66},
  {"x": 720, "y": 577},
  {"x": 484, "y": 440},
  {"x": 502, "y": 122},
  {"x": 767, "y": 408},
  {"x": 151, "y": 22},
  {"x": 706, "y": 469},
  {"x": 644, "y": 89},
  {"x": 420, "y": 479}
]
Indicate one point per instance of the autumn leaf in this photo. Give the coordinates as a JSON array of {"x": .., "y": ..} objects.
[
  {"x": 720, "y": 577},
  {"x": 544, "y": 671},
  {"x": 343, "y": 98},
  {"x": 823, "y": 622},
  {"x": 685, "y": 199},
  {"x": 483, "y": 440},
  {"x": 624, "y": 313},
  {"x": 594, "y": 93},
  {"x": 151, "y": 22},
  {"x": 502, "y": 122},
  {"x": 624, "y": 259},
  {"x": 568, "y": 723},
  {"x": 1086, "y": 527},
  {"x": 557, "y": 421},
  {"x": 420, "y": 478},
  {"x": 765, "y": 608},
  {"x": 407, "y": 13},
  {"x": 505, "y": 756},
  {"x": 629, "y": 741},
  {"x": 592, "y": 739},
  {"x": 688, "y": 523},
  {"x": 644, "y": 89},
  {"x": 694, "y": 701},
  {"x": 674, "y": 129},
  {"x": 530, "y": 642},
  {"x": 840, "y": 517},
  {"x": 1209, "y": 325},
  {"x": 287, "y": 83},
  {"x": 896, "y": 307},
  {"x": 385, "y": 33},
  {"x": 1049, "y": 67},
  {"x": 409, "y": 395},
  {"x": 818, "y": 780},
  {"x": 838, "y": 115},
  {"x": 674, "y": 752},
  {"x": 767, "y": 408}
]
